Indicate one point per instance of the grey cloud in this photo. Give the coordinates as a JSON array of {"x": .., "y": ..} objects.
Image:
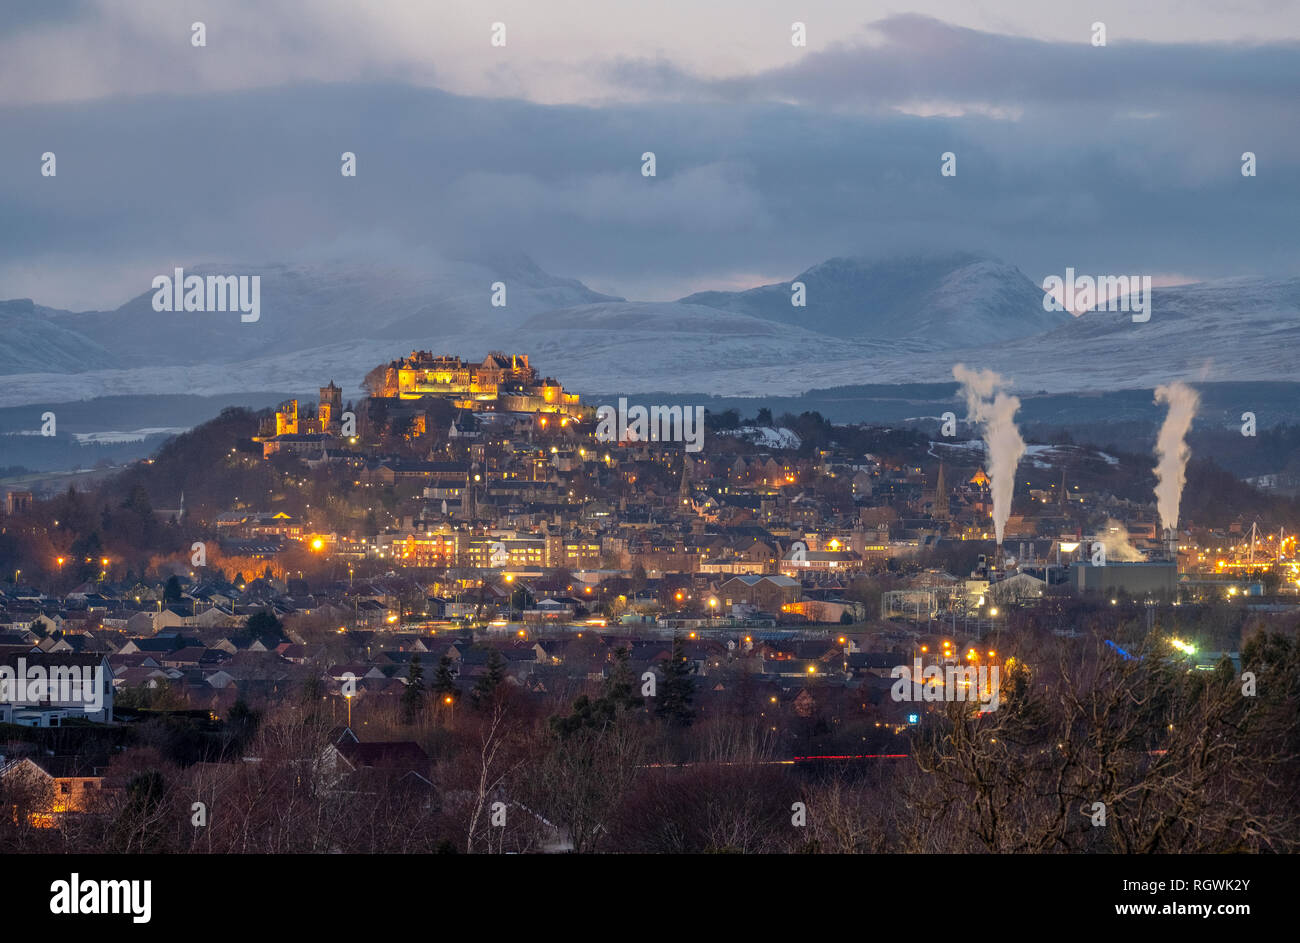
[
  {"x": 743, "y": 186},
  {"x": 921, "y": 58}
]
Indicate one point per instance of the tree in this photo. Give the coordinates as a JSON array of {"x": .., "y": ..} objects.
[
  {"x": 492, "y": 677},
  {"x": 413, "y": 696},
  {"x": 618, "y": 694},
  {"x": 138, "y": 501},
  {"x": 638, "y": 578},
  {"x": 243, "y": 720},
  {"x": 172, "y": 591},
  {"x": 620, "y": 686},
  {"x": 677, "y": 688},
  {"x": 444, "y": 684},
  {"x": 312, "y": 692},
  {"x": 264, "y": 623}
]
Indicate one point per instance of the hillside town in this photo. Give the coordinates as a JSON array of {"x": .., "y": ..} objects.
[{"x": 464, "y": 537}]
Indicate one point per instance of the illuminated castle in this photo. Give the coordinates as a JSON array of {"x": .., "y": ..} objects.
[
  {"x": 289, "y": 426},
  {"x": 505, "y": 382}
]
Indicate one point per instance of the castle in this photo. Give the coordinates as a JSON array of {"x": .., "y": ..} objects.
[
  {"x": 293, "y": 429},
  {"x": 503, "y": 382}
]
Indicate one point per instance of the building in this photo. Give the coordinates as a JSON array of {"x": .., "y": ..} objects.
[
  {"x": 18, "y": 501},
  {"x": 507, "y": 382},
  {"x": 769, "y": 593},
  {"x": 55, "y": 786},
  {"x": 1133, "y": 579},
  {"x": 44, "y": 689},
  {"x": 291, "y": 429}
]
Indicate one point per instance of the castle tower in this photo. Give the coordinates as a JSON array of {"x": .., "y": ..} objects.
[
  {"x": 330, "y": 410},
  {"x": 286, "y": 418}
]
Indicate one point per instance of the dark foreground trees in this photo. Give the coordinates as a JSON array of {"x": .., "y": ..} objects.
[{"x": 1088, "y": 751}]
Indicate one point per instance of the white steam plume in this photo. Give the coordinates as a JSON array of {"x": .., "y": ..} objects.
[
  {"x": 995, "y": 412},
  {"x": 1172, "y": 452},
  {"x": 1118, "y": 543}
]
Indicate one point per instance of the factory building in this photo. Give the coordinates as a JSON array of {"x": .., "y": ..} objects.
[{"x": 1154, "y": 578}]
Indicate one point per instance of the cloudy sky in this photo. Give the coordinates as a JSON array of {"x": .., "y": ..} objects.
[{"x": 770, "y": 158}]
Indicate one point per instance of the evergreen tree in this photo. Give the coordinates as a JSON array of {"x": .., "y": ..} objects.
[
  {"x": 413, "y": 696},
  {"x": 444, "y": 685},
  {"x": 264, "y": 623},
  {"x": 138, "y": 501},
  {"x": 677, "y": 688},
  {"x": 638, "y": 578},
  {"x": 172, "y": 591},
  {"x": 491, "y": 679},
  {"x": 620, "y": 686},
  {"x": 618, "y": 694},
  {"x": 243, "y": 720}
]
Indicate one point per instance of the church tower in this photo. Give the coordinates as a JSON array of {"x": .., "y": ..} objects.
[{"x": 330, "y": 411}]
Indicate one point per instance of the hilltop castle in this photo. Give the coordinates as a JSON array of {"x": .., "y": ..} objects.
[
  {"x": 291, "y": 427},
  {"x": 502, "y": 382}
]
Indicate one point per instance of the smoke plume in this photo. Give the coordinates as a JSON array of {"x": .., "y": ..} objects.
[
  {"x": 1118, "y": 543},
  {"x": 995, "y": 412},
  {"x": 1172, "y": 452}
]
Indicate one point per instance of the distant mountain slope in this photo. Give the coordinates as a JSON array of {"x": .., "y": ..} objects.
[
  {"x": 302, "y": 307},
  {"x": 1234, "y": 329},
  {"x": 33, "y": 338},
  {"x": 941, "y": 302},
  {"x": 337, "y": 322}
]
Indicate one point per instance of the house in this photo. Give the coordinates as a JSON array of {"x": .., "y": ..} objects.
[
  {"x": 350, "y": 765},
  {"x": 54, "y": 786},
  {"x": 151, "y": 623},
  {"x": 40, "y": 689},
  {"x": 769, "y": 593}
]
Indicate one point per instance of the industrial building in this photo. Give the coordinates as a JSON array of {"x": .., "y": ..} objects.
[{"x": 1153, "y": 578}]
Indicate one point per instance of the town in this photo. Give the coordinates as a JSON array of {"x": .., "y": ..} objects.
[{"x": 459, "y": 577}]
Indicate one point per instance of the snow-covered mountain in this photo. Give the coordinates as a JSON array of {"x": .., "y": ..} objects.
[
  {"x": 337, "y": 322},
  {"x": 934, "y": 302},
  {"x": 33, "y": 338},
  {"x": 302, "y": 308},
  {"x": 1228, "y": 329}
]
